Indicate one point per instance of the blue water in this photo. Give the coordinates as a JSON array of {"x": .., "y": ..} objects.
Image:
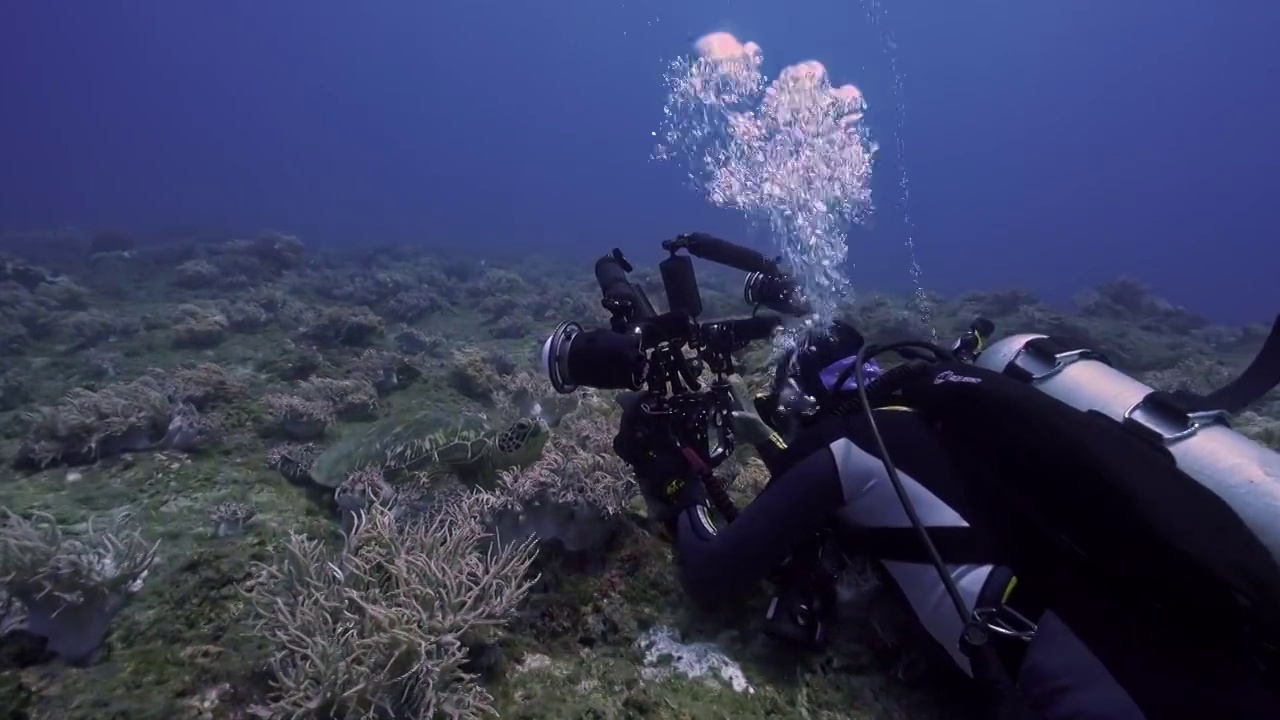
[{"x": 1049, "y": 145}]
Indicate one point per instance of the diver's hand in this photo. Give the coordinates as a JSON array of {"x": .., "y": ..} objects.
[{"x": 749, "y": 428}]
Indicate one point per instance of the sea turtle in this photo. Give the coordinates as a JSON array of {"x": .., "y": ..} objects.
[{"x": 466, "y": 447}]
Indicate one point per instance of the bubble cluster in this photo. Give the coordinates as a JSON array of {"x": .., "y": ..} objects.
[{"x": 791, "y": 152}]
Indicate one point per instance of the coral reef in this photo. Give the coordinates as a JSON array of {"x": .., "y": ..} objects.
[{"x": 180, "y": 391}]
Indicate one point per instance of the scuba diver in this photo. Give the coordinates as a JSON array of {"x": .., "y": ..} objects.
[{"x": 1094, "y": 575}]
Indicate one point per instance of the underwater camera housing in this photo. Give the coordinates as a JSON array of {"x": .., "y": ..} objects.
[{"x": 663, "y": 355}]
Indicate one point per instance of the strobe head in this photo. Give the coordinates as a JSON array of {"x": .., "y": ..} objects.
[
  {"x": 777, "y": 292},
  {"x": 600, "y": 358}
]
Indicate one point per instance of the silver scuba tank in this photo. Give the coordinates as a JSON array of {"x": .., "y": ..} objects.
[{"x": 1245, "y": 474}]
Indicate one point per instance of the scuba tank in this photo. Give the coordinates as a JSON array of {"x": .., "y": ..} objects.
[{"x": 1194, "y": 429}]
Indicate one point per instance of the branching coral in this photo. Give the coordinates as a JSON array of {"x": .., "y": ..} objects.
[
  {"x": 387, "y": 371},
  {"x": 203, "y": 385},
  {"x": 415, "y": 342},
  {"x": 299, "y": 418},
  {"x": 356, "y": 326},
  {"x": 293, "y": 460},
  {"x": 359, "y": 491},
  {"x": 474, "y": 374},
  {"x": 574, "y": 494},
  {"x": 576, "y": 477},
  {"x": 349, "y": 399},
  {"x": 88, "y": 425},
  {"x": 89, "y": 328},
  {"x": 1199, "y": 374},
  {"x": 229, "y": 518},
  {"x": 196, "y": 327},
  {"x": 196, "y": 274},
  {"x": 71, "y": 589},
  {"x": 245, "y": 317},
  {"x": 63, "y": 294},
  {"x": 189, "y": 431},
  {"x": 379, "y": 629},
  {"x": 412, "y": 305}
]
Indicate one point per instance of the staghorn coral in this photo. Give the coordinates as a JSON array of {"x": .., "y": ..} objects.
[
  {"x": 386, "y": 371},
  {"x": 293, "y": 362},
  {"x": 1129, "y": 299},
  {"x": 299, "y": 418},
  {"x": 477, "y": 374},
  {"x": 191, "y": 432},
  {"x": 229, "y": 518},
  {"x": 354, "y": 326},
  {"x": 246, "y": 318},
  {"x": 22, "y": 317},
  {"x": 90, "y": 328},
  {"x": 88, "y": 425},
  {"x": 412, "y": 305},
  {"x": 13, "y": 391},
  {"x": 575, "y": 494},
  {"x": 571, "y": 477},
  {"x": 293, "y": 460},
  {"x": 62, "y": 294},
  {"x": 747, "y": 475},
  {"x": 1199, "y": 374},
  {"x": 273, "y": 253},
  {"x": 23, "y": 274},
  {"x": 197, "y": 328},
  {"x": 361, "y": 490},
  {"x": 71, "y": 589},
  {"x": 13, "y": 337},
  {"x": 523, "y": 393},
  {"x": 1262, "y": 430},
  {"x": 380, "y": 628},
  {"x": 499, "y": 282},
  {"x": 499, "y": 307},
  {"x": 412, "y": 341},
  {"x": 202, "y": 385},
  {"x": 197, "y": 274},
  {"x": 349, "y": 399}
]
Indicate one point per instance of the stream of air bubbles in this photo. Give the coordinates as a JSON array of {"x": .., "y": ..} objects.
[
  {"x": 878, "y": 16},
  {"x": 791, "y": 153}
]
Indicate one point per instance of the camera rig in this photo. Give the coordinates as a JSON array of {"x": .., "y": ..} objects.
[{"x": 662, "y": 356}]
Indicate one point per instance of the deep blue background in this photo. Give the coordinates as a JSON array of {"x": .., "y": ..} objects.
[{"x": 1048, "y": 144}]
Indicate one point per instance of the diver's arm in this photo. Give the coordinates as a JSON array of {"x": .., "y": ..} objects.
[{"x": 719, "y": 564}]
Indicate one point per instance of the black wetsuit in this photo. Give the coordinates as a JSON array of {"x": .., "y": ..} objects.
[{"x": 832, "y": 472}]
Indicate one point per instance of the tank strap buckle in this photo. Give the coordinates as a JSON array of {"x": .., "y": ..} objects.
[
  {"x": 1045, "y": 357},
  {"x": 1004, "y": 620},
  {"x": 1157, "y": 417}
]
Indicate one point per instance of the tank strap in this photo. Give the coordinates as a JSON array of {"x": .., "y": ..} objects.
[
  {"x": 1044, "y": 357},
  {"x": 1261, "y": 377}
]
